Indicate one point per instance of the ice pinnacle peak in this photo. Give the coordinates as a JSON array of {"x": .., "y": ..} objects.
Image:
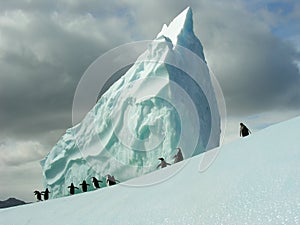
[
  {"x": 180, "y": 30},
  {"x": 183, "y": 21}
]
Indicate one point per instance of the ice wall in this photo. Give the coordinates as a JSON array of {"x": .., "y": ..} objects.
[{"x": 165, "y": 100}]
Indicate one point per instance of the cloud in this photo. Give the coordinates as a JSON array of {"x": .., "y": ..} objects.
[
  {"x": 256, "y": 70},
  {"x": 44, "y": 52},
  {"x": 14, "y": 153}
]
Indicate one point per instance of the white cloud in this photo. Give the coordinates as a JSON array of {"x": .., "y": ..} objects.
[
  {"x": 14, "y": 153},
  {"x": 14, "y": 18}
]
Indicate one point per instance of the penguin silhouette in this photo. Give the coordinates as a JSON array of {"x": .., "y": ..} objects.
[
  {"x": 163, "y": 163},
  {"x": 244, "y": 131},
  {"x": 46, "y": 194},
  {"x": 72, "y": 189},
  {"x": 96, "y": 182},
  {"x": 38, "y": 195},
  {"x": 84, "y": 186}
]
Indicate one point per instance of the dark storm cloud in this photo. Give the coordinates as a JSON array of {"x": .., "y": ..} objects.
[
  {"x": 43, "y": 55},
  {"x": 258, "y": 75},
  {"x": 256, "y": 69}
]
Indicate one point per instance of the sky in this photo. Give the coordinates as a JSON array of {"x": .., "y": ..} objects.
[{"x": 252, "y": 47}]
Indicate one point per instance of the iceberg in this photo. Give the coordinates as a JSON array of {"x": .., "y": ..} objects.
[{"x": 164, "y": 101}]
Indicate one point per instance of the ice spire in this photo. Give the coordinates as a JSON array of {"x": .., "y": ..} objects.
[{"x": 180, "y": 32}]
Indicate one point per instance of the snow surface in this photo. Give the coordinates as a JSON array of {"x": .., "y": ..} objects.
[
  {"x": 254, "y": 180},
  {"x": 164, "y": 101}
]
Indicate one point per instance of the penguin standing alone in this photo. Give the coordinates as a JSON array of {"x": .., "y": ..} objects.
[
  {"x": 96, "y": 182},
  {"x": 72, "y": 189},
  {"x": 84, "y": 186},
  {"x": 244, "y": 131}
]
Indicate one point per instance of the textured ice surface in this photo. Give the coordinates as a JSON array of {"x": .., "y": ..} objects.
[
  {"x": 165, "y": 100},
  {"x": 254, "y": 180}
]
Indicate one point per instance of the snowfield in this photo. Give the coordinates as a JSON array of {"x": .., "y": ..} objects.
[{"x": 255, "y": 180}]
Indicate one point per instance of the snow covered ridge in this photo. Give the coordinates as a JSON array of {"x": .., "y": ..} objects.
[
  {"x": 164, "y": 101},
  {"x": 254, "y": 180}
]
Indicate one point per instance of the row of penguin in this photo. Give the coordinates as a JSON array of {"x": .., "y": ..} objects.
[{"x": 110, "y": 180}]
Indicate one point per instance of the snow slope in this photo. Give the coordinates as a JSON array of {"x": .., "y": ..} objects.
[
  {"x": 255, "y": 180},
  {"x": 164, "y": 101}
]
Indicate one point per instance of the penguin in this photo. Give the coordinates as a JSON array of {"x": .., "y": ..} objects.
[
  {"x": 38, "y": 195},
  {"x": 244, "y": 131},
  {"x": 84, "y": 186},
  {"x": 46, "y": 194},
  {"x": 163, "y": 163},
  {"x": 178, "y": 157},
  {"x": 72, "y": 189},
  {"x": 110, "y": 180},
  {"x": 96, "y": 182}
]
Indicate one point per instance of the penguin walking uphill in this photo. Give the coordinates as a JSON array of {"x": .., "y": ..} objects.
[
  {"x": 38, "y": 195},
  {"x": 110, "y": 180},
  {"x": 46, "y": 194},
  {"x": 163, "y": 163},
  {"x": 244, "y": 131},
  {"x": 72, "y": 189},
  {"x": 178, "y": 157},
  {"x": 96, "y": 182},
  {"x": 84, "y": 186}
]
